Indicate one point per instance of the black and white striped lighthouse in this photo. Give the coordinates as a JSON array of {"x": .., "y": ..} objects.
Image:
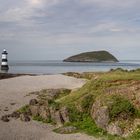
[{"x": 4, "y": 62}]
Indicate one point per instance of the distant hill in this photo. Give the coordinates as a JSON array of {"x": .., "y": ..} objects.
[{"x": 96, "y": 56}]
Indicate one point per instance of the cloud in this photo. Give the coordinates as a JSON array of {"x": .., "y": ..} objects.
[
  {"x": 70, "y": 23},
  {"x": 113, "y": 3}
]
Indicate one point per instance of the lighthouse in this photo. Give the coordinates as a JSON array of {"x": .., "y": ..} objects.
[{"x": 4, "y": 62}]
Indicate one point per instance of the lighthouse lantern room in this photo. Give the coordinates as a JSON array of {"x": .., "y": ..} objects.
[{"x": 4, "y": 62}]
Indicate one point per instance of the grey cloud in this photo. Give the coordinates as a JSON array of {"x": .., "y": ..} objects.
[{"x": 69, "y": 24}]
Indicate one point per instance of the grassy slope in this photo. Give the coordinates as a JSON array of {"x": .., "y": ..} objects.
[{"x": 81, "y": 101}]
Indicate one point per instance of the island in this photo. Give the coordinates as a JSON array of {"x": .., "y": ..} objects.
[{"x": 95, "y": 56}]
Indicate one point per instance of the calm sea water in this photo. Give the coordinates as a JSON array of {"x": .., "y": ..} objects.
[{"x": 54, "y": 67}]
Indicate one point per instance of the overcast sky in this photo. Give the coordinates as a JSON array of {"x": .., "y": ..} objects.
[{"x": 55, "y": 29}]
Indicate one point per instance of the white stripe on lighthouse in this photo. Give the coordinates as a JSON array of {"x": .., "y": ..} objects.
[
  {"x": 4, "y": 56},
  {"x": 4, "y": 63}
]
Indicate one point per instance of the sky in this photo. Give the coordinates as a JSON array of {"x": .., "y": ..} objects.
[{"x": 57, "y": 29}]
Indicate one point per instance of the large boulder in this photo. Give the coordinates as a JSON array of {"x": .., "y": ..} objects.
[{"x": 100, "y": 114}]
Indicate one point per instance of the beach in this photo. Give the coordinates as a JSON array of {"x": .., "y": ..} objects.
[{"x": 14, "y": 93}]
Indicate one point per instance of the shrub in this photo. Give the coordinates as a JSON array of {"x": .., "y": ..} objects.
[
  {"x": 121, "y": 105},
  {"x": 86, "y": 103},
  {"x": 74, "y": 114}
]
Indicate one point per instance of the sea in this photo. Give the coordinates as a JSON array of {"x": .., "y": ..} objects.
[{"x": 58, "y": 66}]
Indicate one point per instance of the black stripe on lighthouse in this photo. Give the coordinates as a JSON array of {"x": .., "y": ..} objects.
[{"x": 4, "y": 60}]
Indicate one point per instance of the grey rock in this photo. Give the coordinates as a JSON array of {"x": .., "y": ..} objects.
[
  {"x": 52, "y": 93},
  {"x": 33, "y": 102},
  {"x": 44, "y": 112},
  {"x": 5, "y": 118},
  {"x": 101, "y": 116},
  {"x": 65, "y": 114},
  {"x": 15, "y": 115},
  {"x": 66, "y": 130},
  {"x": 56, "y": 117},
  {"x": 34, "y": 110},
  {"x": 24, "y": 117},
  {"x": 114, "y": 129}
]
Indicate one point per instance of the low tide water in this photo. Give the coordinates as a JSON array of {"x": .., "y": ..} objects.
[{"x": 58, "y": 66}]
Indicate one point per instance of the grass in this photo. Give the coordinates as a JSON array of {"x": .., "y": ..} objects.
[
  {"x": 85, "y": 124},
  {"x": 80, "y": 101},
  {"x": 24, "y": 109},
  {"x": 118, "y": 105},
  {"x": 40, "y": 119}
]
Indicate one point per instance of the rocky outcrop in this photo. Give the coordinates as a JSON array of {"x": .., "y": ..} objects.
[
  {"x": 100, "y": 114},
  {"x": 42, "y": 108}
]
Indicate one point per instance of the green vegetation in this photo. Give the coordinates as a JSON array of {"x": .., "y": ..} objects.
[
  {"x": 40, "y": 119},
  {"x": 50, "y": 94},
  {"x": 119, "y": 105},
  {"x": 97, "y": 56},
  {"x": 88, "y": 125},
  {"x": 116, "y": 90},
  {"x": 24, "y": 109},
  {"x": 135, "y": 135}
]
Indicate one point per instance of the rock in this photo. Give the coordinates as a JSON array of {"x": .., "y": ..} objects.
[
  {"x": 114, "y": 129},
  {"x": 15, "y": 115},
  {"x": 33, "y": 102},
  {"x": 65, "y": 114},
  {"x": 43, "y": 102},
  {"x": 12, "y": 103},
  {"x": 44, "y": 112},
  {"x": 51, "y": 93},
  {"x": 100, "y": 114},
  {"x": 5, "y": 118},
  {"x": 24, "y": 117},
  {"x": 56, "y": 117},
  {"x": 34, "y": 110},
  {"x": 66, "y": 130}
]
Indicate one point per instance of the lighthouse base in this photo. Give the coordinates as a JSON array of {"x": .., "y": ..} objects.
[{"x": 4, "y": 67}]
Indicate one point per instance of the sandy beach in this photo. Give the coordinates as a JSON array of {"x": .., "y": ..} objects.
[{"x": 13, "y": 95}]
